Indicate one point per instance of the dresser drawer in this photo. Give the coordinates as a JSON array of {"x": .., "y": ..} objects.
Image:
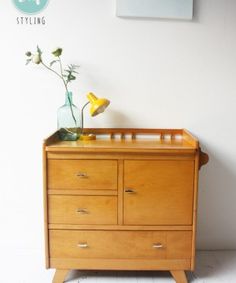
[
  {"x": 120, "y": 244},
  {"x": 82, "y": 209},
  {"x": 82, "y": 174}
]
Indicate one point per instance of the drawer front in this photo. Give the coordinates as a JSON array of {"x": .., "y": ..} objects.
[
  {"x": 82, "y": 209},
  {"x": 120, "y": 244},
  {"x": 82, "y": 174},
  {"x": 158, "y": 192}
]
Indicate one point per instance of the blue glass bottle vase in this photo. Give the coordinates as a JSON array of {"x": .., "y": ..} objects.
[{"x": 68, "y": 120}]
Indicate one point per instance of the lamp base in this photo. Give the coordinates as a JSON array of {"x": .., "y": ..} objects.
[{"x": 88, "y": 137}]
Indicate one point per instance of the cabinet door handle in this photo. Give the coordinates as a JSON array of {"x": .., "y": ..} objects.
[
  {"x": 82, "y": 175},
  {"x": 157, "y": 246},
  {"x": 82, "y": 245},
  {"x": 130, "y": 191},
  {"x": 82, "y": 211}
]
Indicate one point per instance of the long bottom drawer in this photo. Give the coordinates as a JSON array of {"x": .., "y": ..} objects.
[{"x": 120, "y": 244}]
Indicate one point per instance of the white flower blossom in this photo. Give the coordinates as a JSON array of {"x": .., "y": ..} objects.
[{"x": 36, "y": 58}]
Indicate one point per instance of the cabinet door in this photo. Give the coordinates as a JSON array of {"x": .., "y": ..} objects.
[{"x": 158, "y": 192}]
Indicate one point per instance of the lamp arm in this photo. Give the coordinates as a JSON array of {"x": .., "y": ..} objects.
[{"x": 82, "y": 117}]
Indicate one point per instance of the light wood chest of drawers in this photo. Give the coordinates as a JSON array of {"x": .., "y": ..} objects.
[{"x": 126, "y": 201}]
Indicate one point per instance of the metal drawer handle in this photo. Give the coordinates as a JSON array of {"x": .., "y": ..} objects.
[
  {"x": 82, "y": 175},
  {"x": 82, "y": 211},
  {"x": 130, "y": 191},
  {"x": 157, "y": 246},
  {"x": 82, "y": 245}
]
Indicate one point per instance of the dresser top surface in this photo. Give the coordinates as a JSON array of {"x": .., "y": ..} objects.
[{"x": 127, "y": 140}]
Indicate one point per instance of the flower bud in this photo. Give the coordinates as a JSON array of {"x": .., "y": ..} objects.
[
  {"x": 28, "y": 53},
  {"x": 36, "y": 59},
  {"x": 57, "y": 52}
]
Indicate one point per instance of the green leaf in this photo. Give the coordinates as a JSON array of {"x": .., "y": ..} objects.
[
  {"x": 75, "y": 66},
  {"x": 75, "y": 72},
  {"x": 28, "y": 61},
  {"x": 71, "y": 77},
  {"x": 53, "y": 62},
  {"x": 39, "y": 50},
  {"x": 72, "y": 67},
  {"x": 28, "y": 54}
]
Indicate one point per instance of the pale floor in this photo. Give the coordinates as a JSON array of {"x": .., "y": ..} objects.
[{"x": 212, "y": 267}]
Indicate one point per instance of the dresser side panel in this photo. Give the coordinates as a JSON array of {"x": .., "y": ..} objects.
[{"x": 45, "y": 202}]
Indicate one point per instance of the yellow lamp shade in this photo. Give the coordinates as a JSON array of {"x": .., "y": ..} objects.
[{"x": 98, "y": 105}]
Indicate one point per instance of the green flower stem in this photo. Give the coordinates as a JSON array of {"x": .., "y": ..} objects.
[
  {"x": 51, "y": 70},
  {"x": 61, "y": 69},
  {"x": 67, "y": 91},
  {"x": 65, "y": 84}
]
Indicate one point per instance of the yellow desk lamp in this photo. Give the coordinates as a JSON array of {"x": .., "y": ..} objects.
[{"x": 98, "y": 105}]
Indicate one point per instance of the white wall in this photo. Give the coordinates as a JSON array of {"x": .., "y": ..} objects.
[{"x": 157, "y": 73}]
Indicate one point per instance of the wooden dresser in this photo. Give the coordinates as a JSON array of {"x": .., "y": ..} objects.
[{"x": 126, "y": 201}]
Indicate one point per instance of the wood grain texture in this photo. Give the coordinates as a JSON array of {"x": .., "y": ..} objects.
[
  {"x": 60, "y": 276},
  {"x": 120, "y": 192},
  {"x": 148, "y": 155},
  {"x": 45, "y": 204},
  {"x": 179, "y": 276},
  {"x": 83, "y": 192},
  {"x": 203, "y": 158},
  {"x": 164, "y": 146},
  {"x": 82, "y": 209},
  {"x": 190, "y": 138},
  {"x": 163, "y": 192},
  {"x": 120, "y": 244},
  {"x": 147, "y": 144},
  {"x": 133, "y": 131},
  {"x": 120, "y": 227},
  {"x": 120, "y": 264},
  {"x": 98, "y": 174},
  {"x": 122, "y": 231},
  {"x": 195, "y": 205}
]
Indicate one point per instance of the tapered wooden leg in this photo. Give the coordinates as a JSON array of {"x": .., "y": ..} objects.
[
  {"x": 60, "y": 276},
  {"x": 179, "y": 276}
]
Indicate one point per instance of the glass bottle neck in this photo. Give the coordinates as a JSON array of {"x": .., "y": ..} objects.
[{"x": 68, "y": 99}]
